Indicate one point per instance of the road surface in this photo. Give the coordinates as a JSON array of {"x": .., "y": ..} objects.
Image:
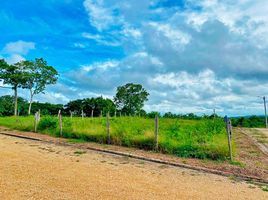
[{"x": 38, "y": 170}]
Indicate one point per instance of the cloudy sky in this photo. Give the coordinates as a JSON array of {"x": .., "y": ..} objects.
[{"x": 191, "y": 55}]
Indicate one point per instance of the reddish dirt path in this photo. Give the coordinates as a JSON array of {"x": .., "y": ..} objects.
[{"x": 37, "y": 170}]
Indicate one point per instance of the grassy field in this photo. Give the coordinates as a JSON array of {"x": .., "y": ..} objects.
[{"x": 184, "y": 138}]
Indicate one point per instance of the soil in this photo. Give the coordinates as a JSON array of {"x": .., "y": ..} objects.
[
  {"x": 249, "y": 160},
  {"x": 38, "y": 170},
  {"x": 259, "y": 136}
]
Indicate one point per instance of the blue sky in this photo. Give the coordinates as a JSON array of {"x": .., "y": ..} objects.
[{"x": 191, "y": 55}]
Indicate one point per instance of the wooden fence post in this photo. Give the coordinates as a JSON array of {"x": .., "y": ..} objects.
[
  {"x": 60, "y": 122},
  {"x": 229, "y": 135},
  {"x": 156, "y": 131},
  {"x": 108, "y": 128},
  {"x": 35, "y": 121}
]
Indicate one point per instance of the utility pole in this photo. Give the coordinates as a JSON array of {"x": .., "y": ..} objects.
[{"x": 264, "y": 103}]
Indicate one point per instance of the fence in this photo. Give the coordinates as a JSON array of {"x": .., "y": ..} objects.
[{"x": 189, "y": 138}]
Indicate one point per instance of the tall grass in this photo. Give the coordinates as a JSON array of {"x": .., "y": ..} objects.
[{"x": 185, "y": 138}]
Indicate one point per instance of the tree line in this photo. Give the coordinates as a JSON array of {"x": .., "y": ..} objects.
[{"x": 95, "y": 107}]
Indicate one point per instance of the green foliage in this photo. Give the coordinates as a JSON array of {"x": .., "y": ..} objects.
[
  {"x": 249, "y": 122},
  {"x": 47, "y": 123},
  {"x": 46, "y": 108},
  {"x": 7, "y": 105},
  {"x": 98, "y": 105},
  {"x": 39, "y": 75},
  {"x": 13, "y": 75},
  {"x": 32, "y": 75},
  {"x": 153, "y": 114},
  {"x": 204, "y": 138},
  {"x": 130, "y": 98}
]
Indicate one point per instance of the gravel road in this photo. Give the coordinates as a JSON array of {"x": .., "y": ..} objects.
[{"x": 38, "y": 170}]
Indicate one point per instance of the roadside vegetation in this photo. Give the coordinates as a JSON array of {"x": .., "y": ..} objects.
[
  {"x": 249, "y": 122},
  {"x": 203, "y": 139},
  {"x": 84, "y": 119}
]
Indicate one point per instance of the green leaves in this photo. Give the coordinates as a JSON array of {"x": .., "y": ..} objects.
[
  {"x": 130, "y": 98},
  {"x": 39, "y": 75},
  {"x": 14, "y": 75},
  {"x": 33, "y": 75}
]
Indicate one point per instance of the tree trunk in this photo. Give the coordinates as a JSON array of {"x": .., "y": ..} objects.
[
  {"x": 30, "y": 104},
  {"x": 16, "y": 100}
]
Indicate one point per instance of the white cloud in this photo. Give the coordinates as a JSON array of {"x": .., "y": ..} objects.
[
  {"x": 18, "y": 47},
  {"x": 246, "y": 17},
  {"x": 100, "y": 16},
  {"x": 176, "y": 37},
  {"x": 14, "y": 58},
  {"x": 79, "y": 45},
  {"x": 101, "y": 40},
  {"x": 190, "y": 60},
  {"x": 14, "y": 52},
  {"x": 100, "y": 66},
  {"x": 132, "y": 32}
]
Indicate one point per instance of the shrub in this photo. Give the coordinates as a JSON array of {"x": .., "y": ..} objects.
[{"x": 48, "y": 123}]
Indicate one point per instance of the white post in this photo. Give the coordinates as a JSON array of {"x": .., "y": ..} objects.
[{"x": 229, "y": 135}]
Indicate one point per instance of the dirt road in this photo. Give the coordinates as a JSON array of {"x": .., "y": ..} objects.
[
  {"x": 37, "y": 170},
  {"x": 259, "y": 136}
]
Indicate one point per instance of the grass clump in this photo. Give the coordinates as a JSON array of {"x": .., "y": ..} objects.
[{"x": 48, "y": 123}]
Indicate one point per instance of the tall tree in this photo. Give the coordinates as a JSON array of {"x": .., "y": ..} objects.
[
  {"x": 15, "y": 76},
  {"x": 39, "y": 76},
  {"x": 130, "y": 98}
]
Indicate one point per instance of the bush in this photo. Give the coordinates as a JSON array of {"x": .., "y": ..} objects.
[{"x": 48, "y": 123}]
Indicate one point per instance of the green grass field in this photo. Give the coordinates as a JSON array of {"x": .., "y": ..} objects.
[{"x": 185, "y": 138}]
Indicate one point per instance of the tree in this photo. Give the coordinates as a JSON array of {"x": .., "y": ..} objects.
[
  {"x": 99, "y": 105},
  {"x": 15, "y": 76},
  {"x": 75, "y": 106},
  {"x": 130, "y": 98},
  {"x": 7, "y": 105},
  {"x": 39, "y": 76}
]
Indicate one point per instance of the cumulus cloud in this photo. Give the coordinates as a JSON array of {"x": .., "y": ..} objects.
[
  {"x": 14, "y": 52},
  {"x": 191, "y": 57},
  {"x": 100, "y": 16},
  {"x": 18, "y": 47},
  {"x": 207, "y": 54}
]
